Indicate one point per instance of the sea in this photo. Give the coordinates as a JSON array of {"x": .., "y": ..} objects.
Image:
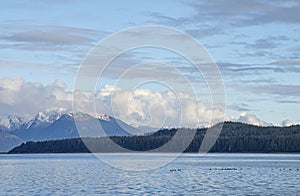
[{"x": 150, "y": 174}]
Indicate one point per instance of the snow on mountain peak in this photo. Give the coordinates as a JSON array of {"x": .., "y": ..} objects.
[
  {"x": 103, "y": 117},
  {"x": 81, "y": 115},
  {"x": 46, "y": 117},
  {"x": 12, "y": 122}
]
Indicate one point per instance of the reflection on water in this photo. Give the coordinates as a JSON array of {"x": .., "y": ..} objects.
[{"x": 81, "y": 174}]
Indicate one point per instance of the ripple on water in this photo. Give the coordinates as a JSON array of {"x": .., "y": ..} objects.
[{"x": 82, "y": 174}]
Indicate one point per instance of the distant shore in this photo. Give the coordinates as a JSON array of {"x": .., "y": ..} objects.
[
  {"x": 234, "y": 138},
  {"x": 8, "y": 153}
]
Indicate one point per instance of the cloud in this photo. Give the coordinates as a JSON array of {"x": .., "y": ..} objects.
[
  {"x": 288, "y": 101},
  {"x": 240, "y": 107},
  {"x": 287, "y": 123},
  {"x": 247, "y": 12},
  {"x": 47, "y": 38},
  {"x": 252, "y": 119},
  {"x": 158, "y": 108},
  {"x": 139, "y": 106},
  {"x": 268, "y": 42},
  {"x": 12, "y": 84},
  {"x": 26, "y": 98},
  {"x": 288, "y": 65},
  {"x": 263, "y": 44},
  {"x": 286, "y": 90},
  {"x": 226, "y": 18}
]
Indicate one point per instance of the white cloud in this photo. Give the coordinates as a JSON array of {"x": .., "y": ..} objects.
[
  {"x": 141, "y": 106},
  {"x": 107, "y": 90},
  {"x": 26, "y": 98},
  {"x": 252, "y": 119},
  {"x": 287, "y": 123},
  {"x": 158, "y": 108},
  {"x": 13, "y": 84}
]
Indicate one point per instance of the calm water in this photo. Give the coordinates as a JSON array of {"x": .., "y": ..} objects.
[{"x": 215, "y": 174}]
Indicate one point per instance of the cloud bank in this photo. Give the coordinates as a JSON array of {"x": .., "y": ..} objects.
[
  {"x": 252, "y": 119},
  {"x": 19, "y": 97},
  {"x": 139, "y": 107}
]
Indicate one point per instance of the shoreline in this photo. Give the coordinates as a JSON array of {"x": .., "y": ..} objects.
[{"x": 7, "y": 153}]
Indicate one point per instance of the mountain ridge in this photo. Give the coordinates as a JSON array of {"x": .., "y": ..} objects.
[
  {"x": 60, "y": 124},
  {"x": 54, "y": 125},
  {"x": 8, "y": 141}
]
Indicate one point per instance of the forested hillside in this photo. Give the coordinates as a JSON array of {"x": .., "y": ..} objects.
[{"x": 234, "y": 137}]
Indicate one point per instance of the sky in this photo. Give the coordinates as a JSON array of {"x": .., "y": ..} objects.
[{"x": 255, "y": 45}]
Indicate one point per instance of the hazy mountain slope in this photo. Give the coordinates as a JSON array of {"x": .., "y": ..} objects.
[{"x": 8, "y": 141}]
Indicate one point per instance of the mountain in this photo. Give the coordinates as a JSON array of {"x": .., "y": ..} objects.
[
  {"x": 43, "y": 119},
  {"x": 61, "y": 125},
  {"x": 11, "y": 123},
  {"x": 8, "y": 141},
  {"x": 234, "y": 137}
]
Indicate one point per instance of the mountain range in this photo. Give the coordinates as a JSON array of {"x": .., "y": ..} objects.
[
  {"x": 61, "y": 124},
  {"x": 57, "y": 124}
]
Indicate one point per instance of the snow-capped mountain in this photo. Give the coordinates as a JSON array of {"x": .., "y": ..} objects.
[
  {"x": 61, "y": 124},
  {"x": 43, "y": 119},
  {"x": 11, "y": 123}
]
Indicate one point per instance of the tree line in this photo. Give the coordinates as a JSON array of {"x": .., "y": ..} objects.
[{"x": 234, "y": 137}]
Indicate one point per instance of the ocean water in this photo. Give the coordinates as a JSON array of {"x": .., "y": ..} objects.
[{"x": 189, "y": 174}]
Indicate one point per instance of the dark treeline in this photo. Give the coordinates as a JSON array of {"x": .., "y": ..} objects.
[{"x": 234, "y": 137}]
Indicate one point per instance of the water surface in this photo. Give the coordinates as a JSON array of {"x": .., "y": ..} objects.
[{"x": 215, "y": 174}]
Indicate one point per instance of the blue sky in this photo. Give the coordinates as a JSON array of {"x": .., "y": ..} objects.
[{"x": 255, "y": 44}]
